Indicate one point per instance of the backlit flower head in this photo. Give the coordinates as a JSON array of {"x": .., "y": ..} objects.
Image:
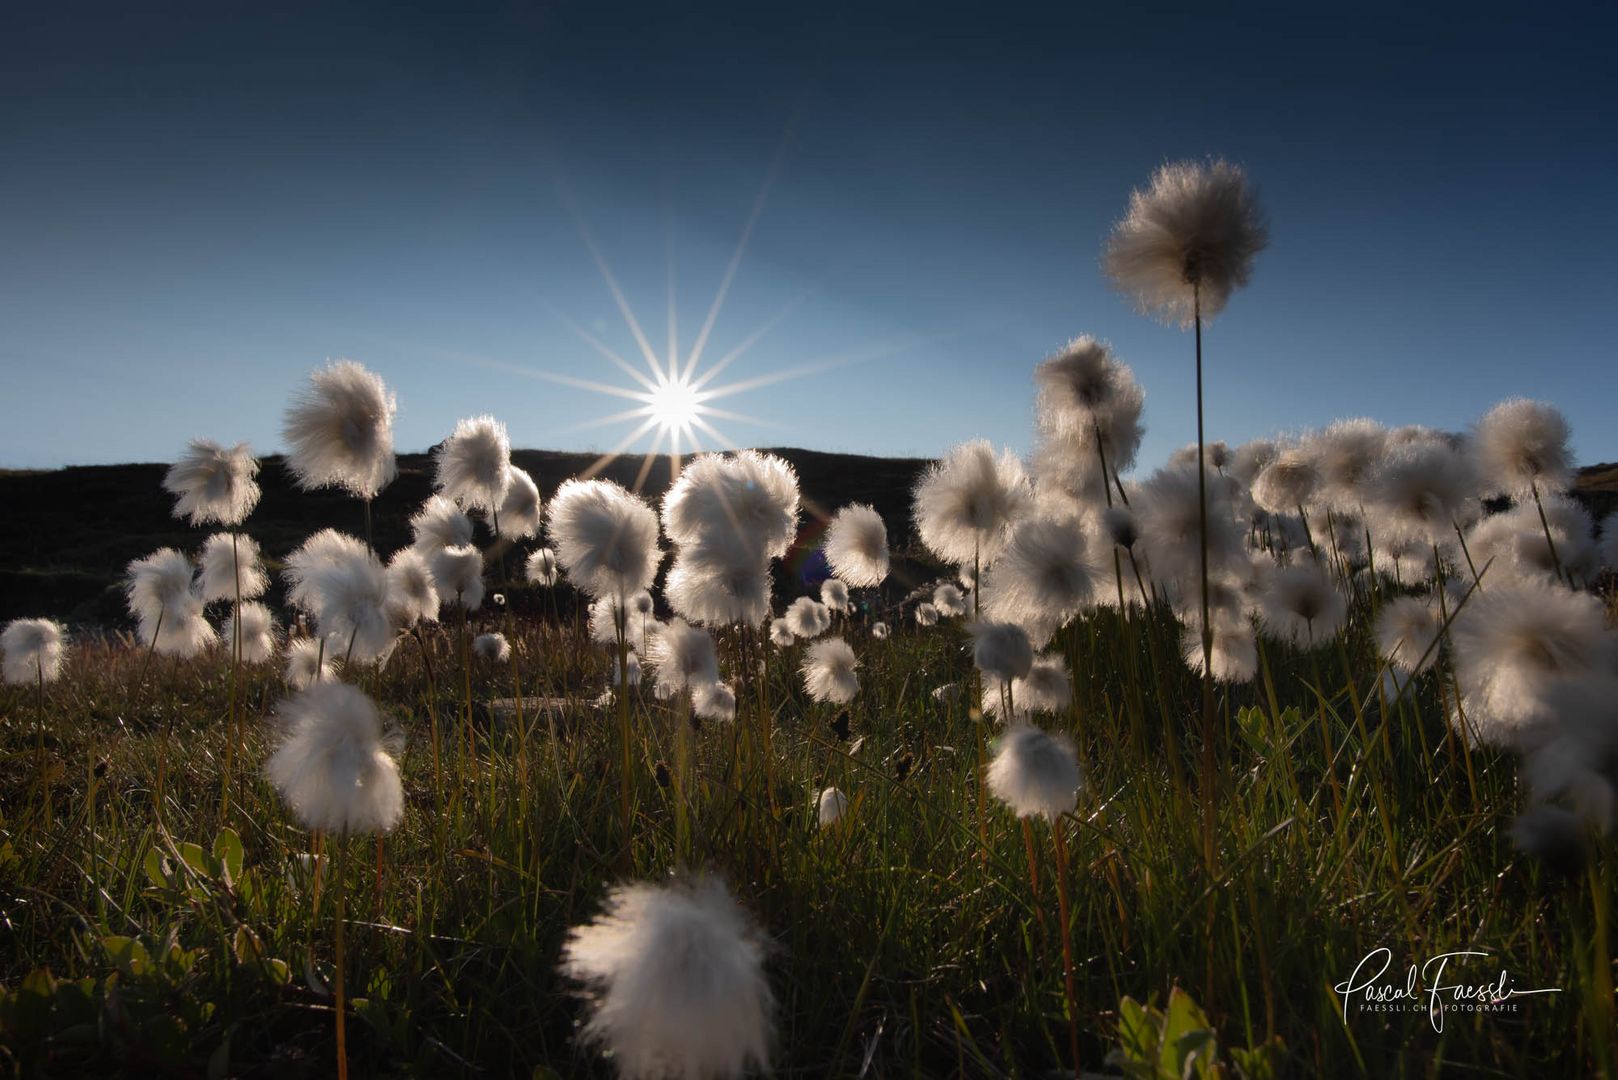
[
  {"x": 333, "y": 766},
  {"x": 1302, "y": 606},
  {"x": 224, "y": 564},
  {"x": 966, "y": 502},
  {"x": 458, "y": 575},
  {"x": 33, "y": 650},
  {"x": 808, "y": 618},
  {"x": 829, "y": 671},
  {"x": 1036, "y": 774},
  {"x": 1521, "y": 444},
  {"x": 540, "y": 568},
  {"x": 1001, "y": 650},
  {"x": 519, "y": 513},
  {"x": 439, "y": 524},
  {"x": 605, "y": 537},
  {"x": 834, "y": 594},
  {"x": 684, "y": 657},
  {"x": 213, "y": 484},
  {"x": 473, "y": 466},
  {"x": 856, "y": 545},
  {"x": 337, "y": 579},
  {"x": 744, "y": 503},
  {"x": 258, "y": 633},
  {"x": 339, "y": 431},
  {"x": 412, "y": 593}
]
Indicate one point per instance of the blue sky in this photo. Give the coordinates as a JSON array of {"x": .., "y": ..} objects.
[{"x": 199, "y": 205}]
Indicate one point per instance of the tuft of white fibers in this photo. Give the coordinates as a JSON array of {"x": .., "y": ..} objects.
[
  {"x": 336, "y": 579},
  {"x": 1347, "y": 454},
  {"x": 32, "y": 649},
  {"x": 718, "y": 591},
  {"x": 781, "y": 634},
  {"x": 947, "y": 694},
  {"x": 1001, "y": 650},
  {"x": 715, "y": 701},
  {"x": 333, "y": 766},
  {"x": 1551, "y": 834},
  {"x": 1291, "y": 480},
  {"x": 828, "y": 671},
  {"x": 742, "y": 504},
  {"x": 632, "y": 668},
  {"x": 637, "y": 620},
  {"x": 684, "y": 657},
  {"x": 1045, "y": 574},
  {"x": 605, "y": 537},
  {"x": 1035, "y": 773},
  {"x": 1407, "y": 634},
  {"x": 305, "y": 663},
  {"x": 519, "y": 514},
  {"x": 412, "y": 592},
  {"x": 879, "y": 630},
  {"x": 540, "y": 568},
  {"x": 211, "y": 483},
  {"x": 1523, "y": 445},
  {"x": 458, "y": 575},
  {"x": 473, "y": 466},
  {"x": 1119, "y": 525},
  {"x": 1515, "y": 542},
  {"x": 439, "y": 524},
  {"x": 1235, "y": 649},
  {"x": 1424, "y": 489},
  {"x": 830, "y": 806},
  {"x": 1577, "y": 762},
  {"x": 926, "y": 614},
  {"x": 258, "y": 632},
  {"x": 1081, "y": 385},
  {"x": 219, "y": 568},
  {"x": 492, "y": 647},
  {"x": 856, "y": 545},
  {"x": 834, "y": 594},
  {"x": 1249, "y": 459},
  {"x": 807, "y": 618},
  {"x": 1188, "y": 240},
  {"x": 1169, "y": 517},
  {"x": 965, "y": 502},
  {"x": 339, "y": 431},
  {"x": 1301, "y": 606},
  {"x": 163, "y": 598},
  {"x": 949, "y": 600},
  {"x": 1514, "y": 645},
  {"x": 674, "y": 977},
  {"x": 1046, "y": 687}
]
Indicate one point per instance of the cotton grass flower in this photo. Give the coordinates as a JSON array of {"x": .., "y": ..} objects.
[
  {"x": 258, "y": 632},
  {"x": 1168, "y": 514},
  {"x": 1080, "y": 384},
  {"x": 162, "y": 597},
  {"x": 412, "y": 592},
  {"x": 605, "y": 616},
  {"x": 1424, "y": 489},
  {"x": 675, "y": 982},
  {"x": 458, "y": 575},
  {"x": 339, "y": 431},
  {"x": 1044, "y": 576},
  {"x": 1407, "y": 631},
  {"x": 965, "y": 503},
  {"x": 1347, "y": 453},
  {"x": 33, "y": 650},
  {"x": 540, "y": 568},
  {"x": 333, "y": 766},
  {"x": 926, "y": 614},
  {"x": 492, "y": 648},
  {"x": 222, "y": 554},
  {"x": 440, "y": 523},
  {"x": 828, "y": 671},
  {"x": 856, "y": 546},
  {"x": 1234, "y": 656},
  {"x": 1522, "y": 446},
  {"x": 715, "y": 701},
  {"x": 830, "y": 806},
  {"x": 519, "y": 513},
  {"x": 605, "y": 537},
  {"x": 684, "y": 657},
  {"x": 1001, "y": 650},
  {"x": 879, "y": 630},
  {"x": 806, "y": 618},
  {"x": 473, "y": 466},
  {"x": 949, "y": 600},
  {"x": 213, "y": 484},
  {"x": 834, "y": 594},
  {"x": 1289, "y": 482},
  {"x": 307, "y": 663},
  {"x": 632, "y": 670},
  {"x": 1188, "y": 241},
  {"x": 336, "y": 579},
  {"x": 781, "y": 635},
  {"x": 706, "y": 586},
  {"x": 744, "y": 504},
  {"x": 1301, "y": 606},
  {"x": 1035, "y": 774},
  {"x": 1046, "y": 687}
]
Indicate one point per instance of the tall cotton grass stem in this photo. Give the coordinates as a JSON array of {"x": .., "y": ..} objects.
[
  {"x": 340, "y": 915},
  {"x": 620, "y": 616},
  {"x": 227, "y": 774},
  {"x": 1208, "y": 766},
  {"x": 682, "y": 779},
  {"x": 1065, "y": 928},
  {"x": 432, "y": 715},
  {"x": 1561, "y": 574}
]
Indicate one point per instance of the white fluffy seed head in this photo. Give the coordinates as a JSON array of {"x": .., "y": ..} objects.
[
  {"x": 1347, "y": 454},
  {"x": 1235, "y": 649},
  {"x": 211, "y": 483},
  {"x": 1407, "y": 634},
  {"x": 1001, "y": 650},
  {"x": 520, "y": 513},
  {"x": 718, "y": 591},
  {"x": 605, "y": 537},
  {"x": 411, "y": 590},
  {"x": 1291, "y": 480},
  {"x": 1045, "y": 689},
  {"x": 492, "y": 648},
  {"x": 829, "y": 671},
  {"x": 339, "y": 431},
  {"x": 1169, "y": 516},
  {"x": 715, "y": 701},
  {"x": 258, "y": 633},
  {"x": 225, "y": 562},
  {"x": 606, "y": 614},
  {"x": 161, "y": 581},
  {"x": 1522, "y": 445},
  {"x": 781, "y": 635},
  {"x": 33, "y": 650},
  {"x": 834, "y": 594},
  {"x": 830, "y": 806},
  {"x": 458, "y": 575},
  {"x": 1045, "y": 574},
  {"x": 949, "y": 601},
  {"x": 1302, "y": 606},
  {"x": 540, "y": 568},
  {"x": 1036, "y": 774},
  {"x": 473, "y": 466},
  {"x": 674, "y": 976},
  {"x": 684, "y": 656},
  {"x": 879, "y": 630},
  {"x": 332, "y": 765},
  {"x": 439, "y": 524},
  {"x": 1422, "y": 490},
  {"x": 926, "y": 614},
  {"x": 856, "y": 546},
  {"x": 965, "y": 503},
  {"x": 741, "y": 506},
  {"x": 1082, "y": 385},
  {"x": 806, "y": 618},
  {"x": 307, "y": 663},
  {"x": 1188, "y": 240},
  {"x": 337, "y": 579}
]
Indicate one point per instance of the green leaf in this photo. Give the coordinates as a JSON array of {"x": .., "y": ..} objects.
[
  {"x": 227, "y": 849},
  {"x": 196, "y": 859},
  {"x": 157, "y": 869},
  {"x": 127, "y": 954}
]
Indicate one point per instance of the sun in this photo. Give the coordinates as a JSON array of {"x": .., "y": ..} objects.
[{"x": 675, "y": 404}]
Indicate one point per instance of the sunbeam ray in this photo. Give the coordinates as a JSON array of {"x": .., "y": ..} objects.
[{"x": 618, "y": 296}]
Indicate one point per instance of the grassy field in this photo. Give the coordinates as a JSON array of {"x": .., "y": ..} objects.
[{"x": 188, "y": 939}]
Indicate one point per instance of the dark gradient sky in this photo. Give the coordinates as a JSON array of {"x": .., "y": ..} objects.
[{"x": 199, "y": 205}]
